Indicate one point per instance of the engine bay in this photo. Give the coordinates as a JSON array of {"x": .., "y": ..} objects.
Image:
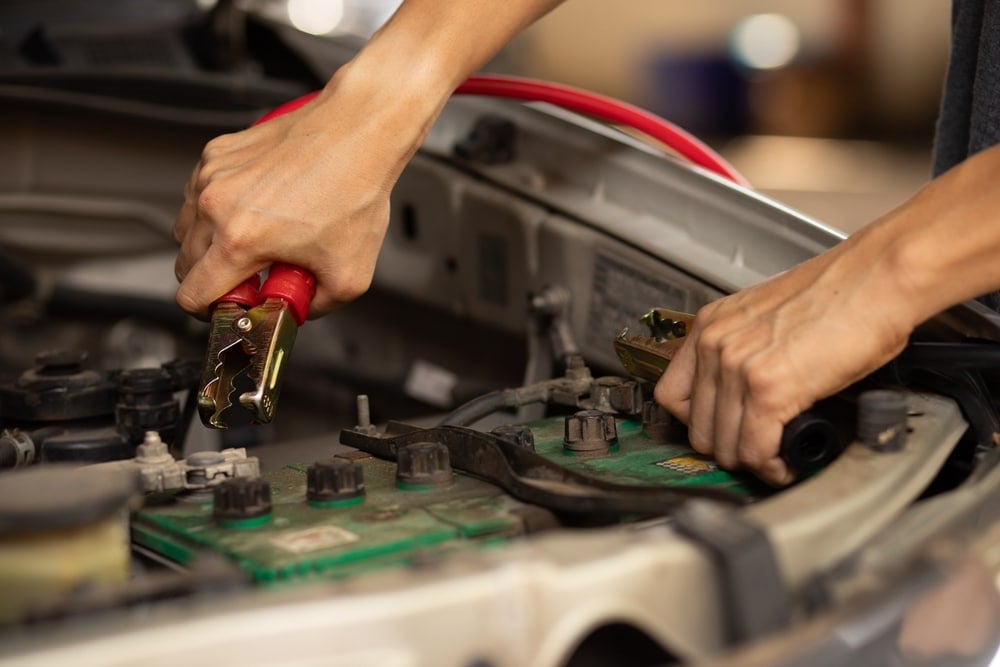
[{"x": 461, "y": 471}]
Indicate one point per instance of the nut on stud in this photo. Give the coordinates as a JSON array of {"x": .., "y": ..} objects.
[
  {"x": 590, "y": 433},
  {"x": 882, "y": 420},
  {"x": 656, "y": 422},
  {"x": 423, "y": 466},
  {"x": 335, "y": 483},
  {"x": 242, "y": 503}
]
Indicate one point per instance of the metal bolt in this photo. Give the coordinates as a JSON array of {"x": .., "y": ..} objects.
[
  {"x": 520, "y": 436},
  {"x": 882, "y": 420},
  {"x": 615, "y": 394},
  {"x": 153, "y": 450},
  {"x": 656, "y": 422},
  {"x": 364, "y": 416},
  {"x": 244, "y": 324},
  {"x": 364, "y": 412}
]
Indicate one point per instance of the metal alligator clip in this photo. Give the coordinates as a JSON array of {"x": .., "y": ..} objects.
[
  {"x": 252, "y": 334},
  {"x": 646, "y": 357}
]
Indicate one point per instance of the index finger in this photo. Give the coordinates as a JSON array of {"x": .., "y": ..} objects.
[{"x": 673, "y": 390}]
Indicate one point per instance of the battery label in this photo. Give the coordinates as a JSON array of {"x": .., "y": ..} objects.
[
  {"x": 313, "y": 539},
  {"x": 621, "y": 294}
]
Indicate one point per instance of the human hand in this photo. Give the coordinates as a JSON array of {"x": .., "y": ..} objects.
[
  {"x": 310, "y": 188},
  {"x": 756, "y": 359}
]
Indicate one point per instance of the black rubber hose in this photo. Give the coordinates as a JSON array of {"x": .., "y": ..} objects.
[
  {"x": 809, "y": 442},
  {"x": 953, "y": 356},
  {"x": 18, "y": 281},
  {"x": 479, "y": 407},
  {"x": 101, "y": 305}
]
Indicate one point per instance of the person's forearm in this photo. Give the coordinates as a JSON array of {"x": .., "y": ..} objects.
[
  {"x": 939, "y": 248},
  {"x": 428, "y": 47},
  {"x": 311, "y": 187},
  {"x": 446, "y": 40}
]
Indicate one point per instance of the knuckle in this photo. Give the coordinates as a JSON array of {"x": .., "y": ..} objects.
[
  {"x": 352, "y": 287},
  {"x": 709, "y": 340},
  {"x": 235, "y": 245},
  {"x": 704, "y": 314},
  {"x": 201, "y": 182},
  {"x": 216, "y": 147},
  {"x": 762, "y": 378},
  {"x": 731, "y": 358},
  {"x": 210, "y": 202}
]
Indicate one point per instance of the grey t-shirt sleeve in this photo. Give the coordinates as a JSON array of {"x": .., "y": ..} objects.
[{"x": 970, "y": 104}]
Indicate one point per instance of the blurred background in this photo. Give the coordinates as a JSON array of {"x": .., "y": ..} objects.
[{"x": 829, "y": 106}]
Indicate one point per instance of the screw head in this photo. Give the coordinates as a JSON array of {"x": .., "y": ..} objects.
[{"x": 244, "y": 324}]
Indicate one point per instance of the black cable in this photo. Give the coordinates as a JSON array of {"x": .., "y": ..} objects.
[{"x": 479, "y": 407}]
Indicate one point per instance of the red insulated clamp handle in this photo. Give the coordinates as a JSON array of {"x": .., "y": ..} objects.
[
  {"x": 245, "y": 294},
  {"x": 293, "y": 284}
]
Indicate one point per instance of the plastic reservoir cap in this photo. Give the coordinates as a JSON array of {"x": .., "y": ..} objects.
[{"x": 54, "y": 496}]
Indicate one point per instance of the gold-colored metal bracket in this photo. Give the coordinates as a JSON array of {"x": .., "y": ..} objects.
[{"x": 647, "y": 357}]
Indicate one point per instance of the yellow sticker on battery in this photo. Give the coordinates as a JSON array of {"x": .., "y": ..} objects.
[{"x": 690, "y": 464}]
